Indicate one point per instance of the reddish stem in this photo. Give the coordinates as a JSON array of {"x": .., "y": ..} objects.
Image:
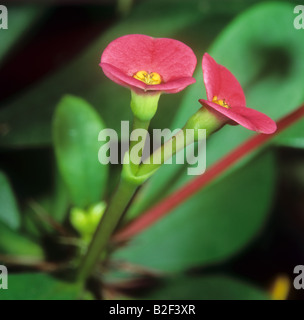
[{"x": 176, "y": 198}]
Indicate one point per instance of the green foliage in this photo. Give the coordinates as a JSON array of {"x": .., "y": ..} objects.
[
  {"x": 209, "y": 287},
  {"x": 9, "y": 212},
  {"x": 75, "y": 128},
  {"x": 13, "y": 243},
  {"x": 292, "y": 137},
  {"x": 38, "y": 286},
  {"x": 214, "y": 224}
]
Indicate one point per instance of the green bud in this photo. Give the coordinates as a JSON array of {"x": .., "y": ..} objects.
[{"x": 86, "y": 221}]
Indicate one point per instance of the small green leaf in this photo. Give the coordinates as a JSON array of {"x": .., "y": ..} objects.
[
  {"x": 38, "y": 286},
  {"x": 9, "y": 212},
  {"x": 75, "y": 129},
  {"x": 209, "y": 287},
  {"x": 212, "y": 225},
  {"x": 13, "y": 243}
]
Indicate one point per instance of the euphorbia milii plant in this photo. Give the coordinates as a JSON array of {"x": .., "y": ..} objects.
[
  {"x": 150, "y": 66},
  {"x": 226, "y": 99}
]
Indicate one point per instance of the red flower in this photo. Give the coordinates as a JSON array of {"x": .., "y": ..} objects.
[
  {"x": 227, "y": 101},
  {"x": 143, "y": 63}
]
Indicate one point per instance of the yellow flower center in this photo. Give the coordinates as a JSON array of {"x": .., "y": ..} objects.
[
  {"x": 148, "y": 78},
  {"x": 220, "y": 102}
]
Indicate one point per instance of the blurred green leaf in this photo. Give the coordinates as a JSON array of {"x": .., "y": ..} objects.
[
  {"x": 83, "y": 76},
  {"x": 13, "y": 243},
  {"x": 9, "y": 212},
  {"x": 270, "y": 69},
  {"x": 38, "y": 286},
  {"x": 213, "y": 225},
  {"x": 292, "y": 137},
  {"x": 20, "y": 19},
  {"x": 75, "y": 128},
  {"x": 209, "y": 287}
]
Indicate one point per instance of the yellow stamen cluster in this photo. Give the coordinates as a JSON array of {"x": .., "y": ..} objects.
[
  {"x": 220, "y": 102},
  {"x": 148, "y": 78}
]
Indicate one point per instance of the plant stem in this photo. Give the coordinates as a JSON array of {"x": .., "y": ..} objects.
[
  {"x": 112, "y": 215},
  {"x": 106, "y": 227},
  {"x": 138, "y": 124},
  {"x": 163, "y": 153},
  {"x": 124, "y": 194}
]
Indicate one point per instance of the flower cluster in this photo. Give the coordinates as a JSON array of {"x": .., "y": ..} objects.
[{"x": 150, "y": 66}]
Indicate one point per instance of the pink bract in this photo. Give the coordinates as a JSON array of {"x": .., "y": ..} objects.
[
  {"x": 223, "y": 85},
  {"x": 171, "y": 59}
]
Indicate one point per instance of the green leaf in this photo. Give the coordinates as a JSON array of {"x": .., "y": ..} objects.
[
  {"x": 76, "y": 128},
  {"x": 38, "y": 286},
  {"x": 20, "y": 19},
  {"x": 213, "y": 225},
  {"x": 17, "y": 244},
  {"x": 209, "y": 287},
  {"x": 292, "y": 137},
  {"x": 9, "y": 212},
  {"x": 270, "y": 71}
]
